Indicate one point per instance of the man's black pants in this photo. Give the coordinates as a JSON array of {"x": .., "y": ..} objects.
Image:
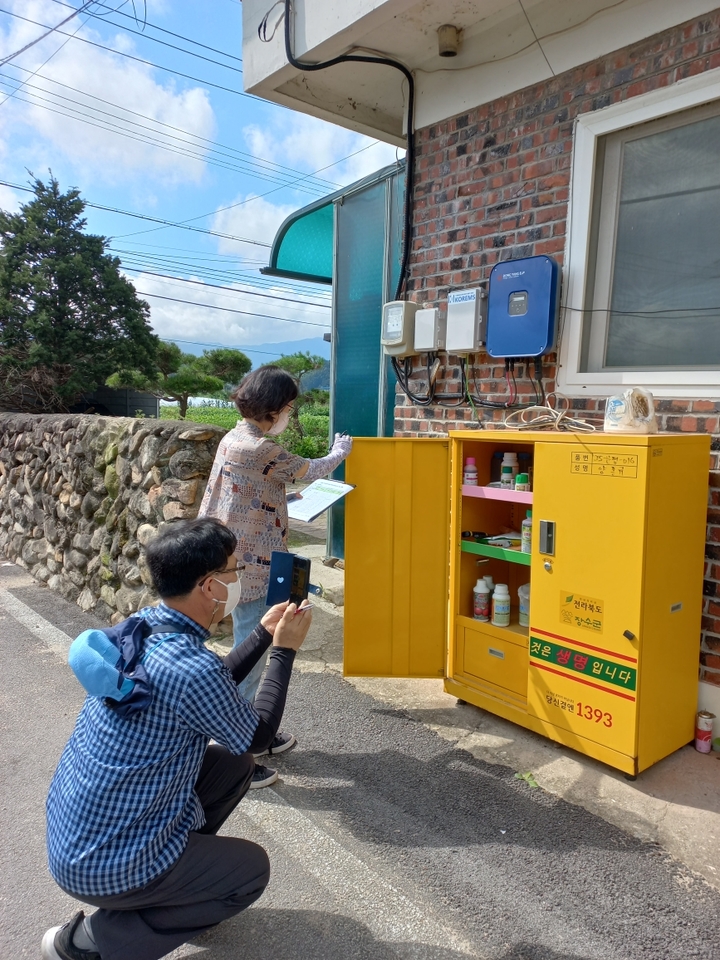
[{"x": 215, "y": 878}]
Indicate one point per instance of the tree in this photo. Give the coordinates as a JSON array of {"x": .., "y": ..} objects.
[
  {"x": 68, "y": 317},
  {"x": 298, "y": 364},
  {"x": 179, "y": 376}
]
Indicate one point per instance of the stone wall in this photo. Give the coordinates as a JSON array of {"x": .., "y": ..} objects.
[{"x": 80, "y": 496}]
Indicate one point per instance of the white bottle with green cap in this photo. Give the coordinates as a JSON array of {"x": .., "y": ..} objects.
[{"x": 506, "y": 477}]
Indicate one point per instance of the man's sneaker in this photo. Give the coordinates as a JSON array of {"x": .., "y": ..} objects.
[
  {"x": 281, "y": 743},
  {"x": 263, "y": 777},
  {"x": 57, "y": 944}
]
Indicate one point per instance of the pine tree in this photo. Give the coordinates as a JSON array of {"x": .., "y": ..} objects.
[
  {"x": 179, "y": 376},
  {"x": 68, "y": 318}
]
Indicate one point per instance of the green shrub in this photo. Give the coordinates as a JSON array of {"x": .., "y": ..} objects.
[
  {"x": 226, "y": 417},
  {"x": 314, "y": 425}
]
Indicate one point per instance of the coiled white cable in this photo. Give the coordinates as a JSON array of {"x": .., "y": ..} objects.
[{"x": 548, "y": 417}]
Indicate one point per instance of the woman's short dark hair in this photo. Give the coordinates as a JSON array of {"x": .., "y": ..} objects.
[
  {"x": 264, "y": 392},
  {"x": 186, "y": 551}
]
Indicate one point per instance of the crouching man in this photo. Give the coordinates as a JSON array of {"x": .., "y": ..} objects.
[{"x": 139, "y": 794}]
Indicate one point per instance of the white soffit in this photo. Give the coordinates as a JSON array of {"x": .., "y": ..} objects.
[{"x": 498, "y": 53}]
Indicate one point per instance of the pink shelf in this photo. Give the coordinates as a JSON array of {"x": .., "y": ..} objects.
[{"x": 497, "y": 493}]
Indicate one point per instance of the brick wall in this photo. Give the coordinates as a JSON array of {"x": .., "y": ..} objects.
[{"x": 493, "y": 184}]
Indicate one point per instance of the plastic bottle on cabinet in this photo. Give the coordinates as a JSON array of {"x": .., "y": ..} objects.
[
  {"x": 506, "y": 477},
  {"x": 524, "y": 600},
  {"x": 526, "y": 532},
  {"x": 481, "y": 601},
  {"x": 501, "y": 606},
  {"x": 470, "y": 474},
  {"x": 525, "y": 465},
  {"x": 510, "y": 460},
  {"x": 522, "y": 482}
]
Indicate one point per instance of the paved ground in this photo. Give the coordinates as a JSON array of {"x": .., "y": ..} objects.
[{"x": 387, "y": 840}]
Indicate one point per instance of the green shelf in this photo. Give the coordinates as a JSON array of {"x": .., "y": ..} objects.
[{"x": 499, "y": 553}]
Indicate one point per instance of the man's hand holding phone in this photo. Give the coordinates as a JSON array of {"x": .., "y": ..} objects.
[{"x": 293, "y": 625}]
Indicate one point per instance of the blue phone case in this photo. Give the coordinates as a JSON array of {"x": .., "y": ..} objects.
[{"x": 281, "y": 566}]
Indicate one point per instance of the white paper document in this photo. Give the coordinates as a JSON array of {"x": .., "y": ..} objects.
[{"x": 316, "y": 498}]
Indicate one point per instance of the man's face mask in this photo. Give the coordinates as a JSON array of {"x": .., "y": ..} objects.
[{"x": 233, "y": 593}]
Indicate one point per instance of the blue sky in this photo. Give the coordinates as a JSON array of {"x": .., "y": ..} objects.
[{"x": 167, "y": 146}]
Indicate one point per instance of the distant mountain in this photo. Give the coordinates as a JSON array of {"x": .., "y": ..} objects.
[{"x": 261, "y": 353}]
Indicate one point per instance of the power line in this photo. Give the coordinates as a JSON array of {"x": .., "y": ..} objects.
[
  {"x": 240, "y": 203},
  {"x": 217, "y": 286},
  {"x": 53, "y": 54},
  {"x": 48, "y": 31},
  {"x": 129, "y": 56},
  {"x": 143, "y": 216},
  {"x": 247, "y": 313},
  {"x": 145, "y": 36},
  {"x": 99, "y": 123},
  {"x": 273, "y": 167},
  {"x": 241, "y": 347},
  {"x": 216, "y": 277}
]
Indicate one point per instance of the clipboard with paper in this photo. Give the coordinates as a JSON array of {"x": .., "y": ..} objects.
[{"x": 317, "y": 498}]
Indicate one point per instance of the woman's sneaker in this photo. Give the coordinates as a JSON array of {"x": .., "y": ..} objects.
[
  {"x": 263, "y": 777},
  {"x": 281, "y": 743}
]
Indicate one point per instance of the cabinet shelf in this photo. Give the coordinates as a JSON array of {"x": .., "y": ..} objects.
[
  {"x": 499, "y": 553},
  {"x": 497, "y": 493}
]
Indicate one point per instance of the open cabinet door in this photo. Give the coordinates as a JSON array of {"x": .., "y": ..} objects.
[{"x": 397, "y": 550}]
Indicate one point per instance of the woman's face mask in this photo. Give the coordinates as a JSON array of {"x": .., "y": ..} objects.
[
  {"x": 280, "y": 424},
  {"x": 233, "y": 593}
]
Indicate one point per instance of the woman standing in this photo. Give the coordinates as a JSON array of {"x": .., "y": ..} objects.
[{"x": 246, "y": 490}]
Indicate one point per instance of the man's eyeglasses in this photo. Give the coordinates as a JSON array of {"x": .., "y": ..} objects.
[{"x": 237, "y": 569}]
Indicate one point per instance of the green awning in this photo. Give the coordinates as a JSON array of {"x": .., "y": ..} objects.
[{"x": 303, "y": 246}]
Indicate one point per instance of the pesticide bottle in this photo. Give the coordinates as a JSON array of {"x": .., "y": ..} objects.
[
  {"x": 481, "y": 601},
  {"x": 510, "y": 460},
  {"x": 470, "y": 474},
  {"x": 526, "y": 531},
  {"x": 501, "y": 606}
]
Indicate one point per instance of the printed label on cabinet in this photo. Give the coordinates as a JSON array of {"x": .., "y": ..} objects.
[
  {"x": 582, "y": 662},
  {"x": 579, "y": 611}
]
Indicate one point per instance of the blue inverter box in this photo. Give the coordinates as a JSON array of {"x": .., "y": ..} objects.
[{"x": 523, "y": 301}]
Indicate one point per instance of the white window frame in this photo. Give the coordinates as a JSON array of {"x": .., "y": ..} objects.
[{"x": 683, "y": 95}]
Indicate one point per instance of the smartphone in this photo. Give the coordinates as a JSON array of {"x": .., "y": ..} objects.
[
  {"x": 289, "y": 578},
  {"x": 300, "y": 580}
]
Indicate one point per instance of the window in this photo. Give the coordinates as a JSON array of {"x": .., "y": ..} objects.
[{"x": 642, "y": 302}]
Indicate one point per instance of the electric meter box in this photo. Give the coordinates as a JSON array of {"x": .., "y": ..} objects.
[
  {"x": 523, "y": 302},
  {"x": 398, "y": 328},
  {"x": 465, "y": 320},
  {"x": 430, "y": 330}
]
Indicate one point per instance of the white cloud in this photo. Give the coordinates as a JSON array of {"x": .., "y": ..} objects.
[
  {"x": 253, "y": 219},
  {"x": 96, "y": 151},
  {"x": 194, "y": 322},
  {"x": 10, "y": 201},
  {"x": 308, "y": 144}
]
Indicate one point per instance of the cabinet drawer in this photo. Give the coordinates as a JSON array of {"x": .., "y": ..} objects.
[{"x": 500, "y": 662}]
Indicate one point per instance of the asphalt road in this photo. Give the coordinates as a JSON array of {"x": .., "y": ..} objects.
[{"x": 384, "y": 841}]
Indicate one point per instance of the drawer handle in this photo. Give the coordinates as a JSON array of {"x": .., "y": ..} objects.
[{"x": 496, "y": 653}]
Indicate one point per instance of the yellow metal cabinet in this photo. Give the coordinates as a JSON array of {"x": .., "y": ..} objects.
[{"x": 609, "y": 663}]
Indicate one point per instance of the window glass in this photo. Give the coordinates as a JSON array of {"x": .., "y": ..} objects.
[{"x": 657, "y": 249}]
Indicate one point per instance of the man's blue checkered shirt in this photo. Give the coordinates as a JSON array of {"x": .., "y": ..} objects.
[{"x": 121, "y": 803}]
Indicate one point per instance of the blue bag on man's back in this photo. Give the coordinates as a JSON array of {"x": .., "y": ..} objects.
[{"x": 109, "y": 664}]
